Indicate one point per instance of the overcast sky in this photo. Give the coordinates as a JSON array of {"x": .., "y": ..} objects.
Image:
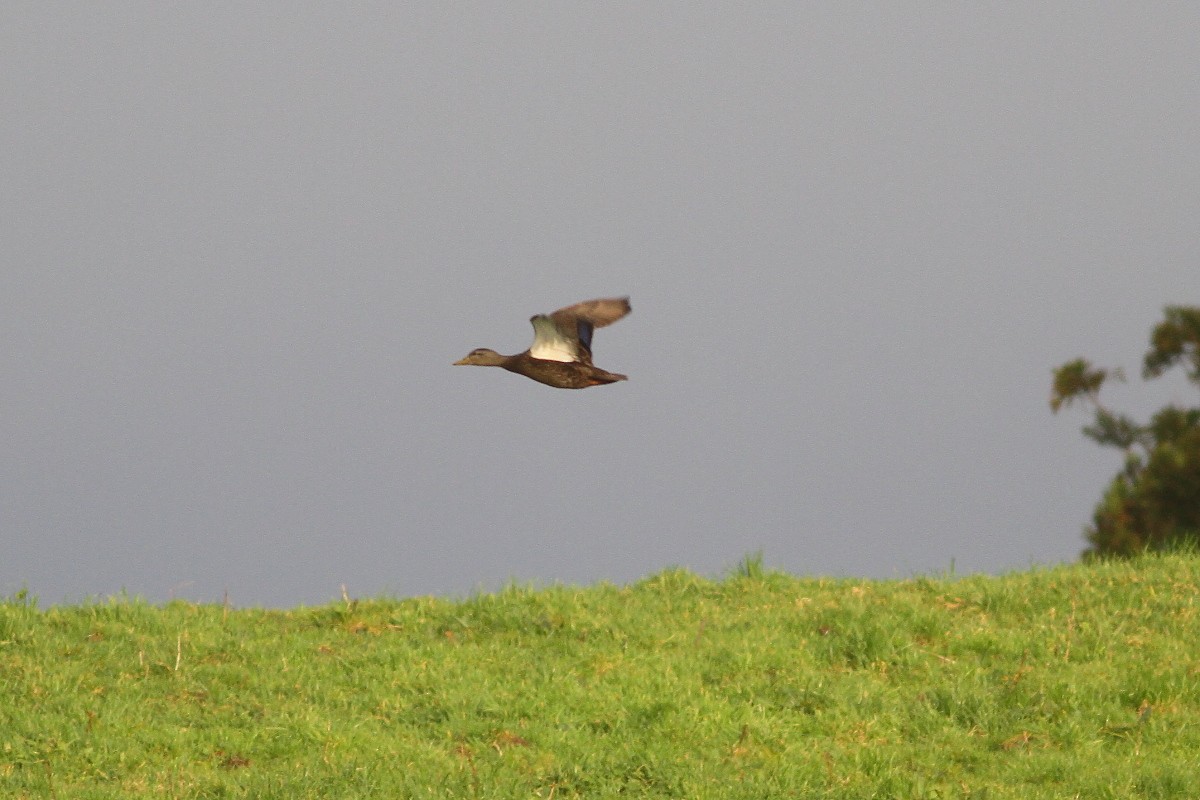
[{"x": 241, "y": 246}]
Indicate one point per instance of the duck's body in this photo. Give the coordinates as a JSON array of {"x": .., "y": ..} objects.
[
  {"x": 560, "y": 374},
  {"x": 561, "y": 354}
]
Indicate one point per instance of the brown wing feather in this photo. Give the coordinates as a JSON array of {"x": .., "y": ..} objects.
[
  {"x": 600, "y": 312},
  {"x": 575, "y": 323}
]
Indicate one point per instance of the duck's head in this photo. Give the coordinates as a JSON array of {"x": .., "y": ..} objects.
[{"x": 481, "y": 357}]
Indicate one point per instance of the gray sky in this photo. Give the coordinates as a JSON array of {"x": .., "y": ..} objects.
[{"x": 241, "y": 247}]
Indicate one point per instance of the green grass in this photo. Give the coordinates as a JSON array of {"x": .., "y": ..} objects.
[{"x": 1079, "y": 681}]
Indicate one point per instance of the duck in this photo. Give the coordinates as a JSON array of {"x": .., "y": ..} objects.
[{"x": 561, "y": 353}]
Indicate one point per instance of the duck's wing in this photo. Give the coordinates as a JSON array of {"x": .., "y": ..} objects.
[
  {"x": 597, "y": 313},
  {"x": 566, "y": 335},
  {"x": 551, "y": 343}
]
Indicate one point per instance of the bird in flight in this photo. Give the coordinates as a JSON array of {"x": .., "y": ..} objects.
[{"x": 561, "y": 353}]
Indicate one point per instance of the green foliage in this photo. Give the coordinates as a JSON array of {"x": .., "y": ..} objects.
[
  {"x": 1175, "y": 339},
  {"x": 750, "y": 567},
  {"x": 1114, "y": 430},
  {"x": 1154, "y": 502},
  {"x": 1078, "y": 681},
  {"x": 1076, "y": 380}
]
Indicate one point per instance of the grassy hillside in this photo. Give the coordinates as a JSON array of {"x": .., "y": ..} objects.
[{"x": 1080, "y": 681}]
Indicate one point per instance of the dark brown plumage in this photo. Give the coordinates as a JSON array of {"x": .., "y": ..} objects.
[{"x": 561, "y": 353}]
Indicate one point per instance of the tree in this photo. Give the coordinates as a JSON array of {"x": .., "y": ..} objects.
[{"x": 1154, "y": 502}]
